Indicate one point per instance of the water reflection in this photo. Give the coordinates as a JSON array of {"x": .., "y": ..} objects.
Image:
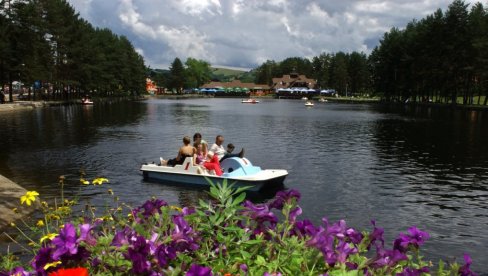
[{"x": 423, "y": 166}]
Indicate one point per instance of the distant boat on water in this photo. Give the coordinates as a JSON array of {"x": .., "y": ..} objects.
[{"x": 251, "y": 101}]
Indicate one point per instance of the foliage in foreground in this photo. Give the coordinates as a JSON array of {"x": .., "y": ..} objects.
[{"x": 225, "y": 235}]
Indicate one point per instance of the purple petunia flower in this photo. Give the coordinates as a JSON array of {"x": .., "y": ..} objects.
[
  {"x": 95, "y": 262},
  {"x": 186, "y": 211},
  {"x": 376, "y": 235},
  {"x": 355, "y": 236},
  {"x": 283, "y": 197},
  {"x": 164, "y": 254},
  {"x": 352, "y": 266},
  {"x": 137, "y": 253},
  {"x": 183, "y": 235},
  {"x": 465, "y": 270},
  {"x": 18, "y": 271},
  {"x": 387, "y": 257},
  {"x": 413, "y": 272},
  {"x": 272, "y": 274},
  {"x": 260, "y": 213},
  {"x": 122, "y": 237},
  {"x": 294, "y": 214},
  {"x": 337, "y": 229},
  {"x": 65, "y": 242},
  {"x": 244, "y": 268},
  {"x": 85, "y": 234},
  {"x": 149, "y": 208},
  {"x": 303, "y": 228},
  {"x": 197, "y": 270},
  {"x": 415, "y": 237},
  {"x": 43, "y": 257},
  {"x": 343, "y": 250}
]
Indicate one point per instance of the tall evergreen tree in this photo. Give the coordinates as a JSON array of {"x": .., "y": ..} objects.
[
  {"x": 321, "y": 65},
  {"x": 339, "y": 74},
  {"x": 177, "y": 73}
]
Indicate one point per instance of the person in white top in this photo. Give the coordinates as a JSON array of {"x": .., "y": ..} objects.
[{"x": 218, "y": 149}]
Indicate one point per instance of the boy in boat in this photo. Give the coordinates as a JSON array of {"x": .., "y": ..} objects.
[
  {"x": 228, "y": 153},
  {"x": 218, "y": 149}
]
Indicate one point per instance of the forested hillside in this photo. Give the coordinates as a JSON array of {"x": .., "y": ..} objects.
[{"x": 45, "y": 42}]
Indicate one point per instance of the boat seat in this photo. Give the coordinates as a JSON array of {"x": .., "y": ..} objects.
[{"x": 188, "y": 166}]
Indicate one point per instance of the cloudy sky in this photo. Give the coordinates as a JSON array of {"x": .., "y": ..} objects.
[{"x": 245, "y": 33}]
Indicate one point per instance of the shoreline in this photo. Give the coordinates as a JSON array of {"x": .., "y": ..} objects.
[
  {"x": 21, "y": 105},
  {"x": 31, "y": 105},
  {"x": 10, "y": 193}
]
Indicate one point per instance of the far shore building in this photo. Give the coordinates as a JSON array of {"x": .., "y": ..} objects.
[
  {"x": 293, "y": 80},
  {"x": 294, "y": 86},
  {"x": 236, "y": 88}
]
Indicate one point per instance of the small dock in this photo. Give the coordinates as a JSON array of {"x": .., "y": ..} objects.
[{"x": 10, "y": 194}]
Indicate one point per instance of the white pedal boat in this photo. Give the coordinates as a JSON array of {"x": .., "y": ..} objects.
[
  {"x": 86, "y": 102},
  {"x": 236, "y": 170},
  {"x": 251, "y": 101}
]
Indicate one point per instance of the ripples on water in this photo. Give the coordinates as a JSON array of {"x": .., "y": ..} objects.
[{"x": 411, "y": 166}]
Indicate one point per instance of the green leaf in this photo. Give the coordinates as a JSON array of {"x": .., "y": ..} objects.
[
  {"x": 345, "y": 273},
  {"x": 239, "y": 199},
  {"x": 214, "y": 192},
  {"x": 260, "y": 260},
  {"x": 440, "y": 270},
  {"x": 233, "y": 229},
  {"x": 242, "y": 189},
  {"x": 251, "y": 242},
  {"x": 245, "y": 254},
  {"x": 203, "y": 204}
]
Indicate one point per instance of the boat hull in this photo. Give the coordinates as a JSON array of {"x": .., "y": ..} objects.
[
  {"x": 203, "y": 181},
  {"x": 237, "y": 171}
]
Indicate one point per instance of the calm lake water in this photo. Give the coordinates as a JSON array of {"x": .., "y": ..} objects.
[{"x": 411, "y": 166}]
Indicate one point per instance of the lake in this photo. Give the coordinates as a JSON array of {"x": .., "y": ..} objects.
[{"x": 404, "y": 166}]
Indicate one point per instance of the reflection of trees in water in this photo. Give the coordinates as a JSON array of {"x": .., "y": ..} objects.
[
  {"x": 440, "y": 153},
  {"x": 193, "y": 115},
  {"x": 435, "y": 136},
  {"x": 65, "y": 126},
  {"x": 47, "y": 140}
]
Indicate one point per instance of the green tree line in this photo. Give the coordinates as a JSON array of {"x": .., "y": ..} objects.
[
  {"x": 347, "y": 73},
  {"x": 46, "y": 41},
  {"x": 441, "y": 58},
  {"x": 193, "y": 74}
]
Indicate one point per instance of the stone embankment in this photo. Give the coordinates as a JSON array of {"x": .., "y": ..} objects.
[
  {"x": 21, "y": 105},
  {"x": 10, "y": 194}
]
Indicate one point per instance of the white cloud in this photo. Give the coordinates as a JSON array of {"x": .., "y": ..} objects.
[
  {"x": 182, "y": 41},
  {"x": 197, "y": 7},
  {"x": 185, "y": 42},
  {"x": 140, "y": 51},
  {"x": 82, "y": 6},
  {"x": 131, "y": 18},
  {"x": 245, "y": 33}
]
